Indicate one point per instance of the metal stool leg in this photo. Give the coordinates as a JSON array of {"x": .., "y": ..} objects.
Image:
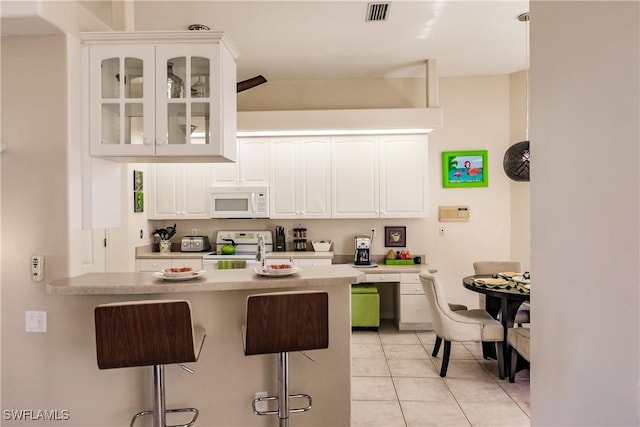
[
  {"x": 159, "y": 407},
  {"x": 159, "y": 412},
  {"x": 283, "y": 389}
]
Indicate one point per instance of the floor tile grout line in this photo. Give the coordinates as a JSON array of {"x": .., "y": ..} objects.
[{"x": 395, "y": 389}]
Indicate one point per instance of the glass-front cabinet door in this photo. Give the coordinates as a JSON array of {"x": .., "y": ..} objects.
[
  {"x": 121, "y": 111},
  {"x": 187, "y": 100},
  {"x": 161, "y": 96}
]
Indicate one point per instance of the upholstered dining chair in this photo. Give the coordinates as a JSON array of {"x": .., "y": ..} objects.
[
  {"x": 492, "y": 267},
  {"x": 460, "y": 325},
  {"x": 519, "y": 344}
]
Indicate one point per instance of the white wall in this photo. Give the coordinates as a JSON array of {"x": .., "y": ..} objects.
[{"x": 585, "y": 198}]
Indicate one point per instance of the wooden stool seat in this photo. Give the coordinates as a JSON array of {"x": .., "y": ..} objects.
[
  {"x": 282, "y": 322},
  {"x": 148, "y": 333}
]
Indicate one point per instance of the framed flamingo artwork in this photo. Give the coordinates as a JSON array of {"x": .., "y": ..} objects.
[{"x": 465, "y": 169}]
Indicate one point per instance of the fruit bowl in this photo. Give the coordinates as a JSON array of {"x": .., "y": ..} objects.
[
  {"x": 321, "y": 245},
  {"x": 175, "y": 272}
]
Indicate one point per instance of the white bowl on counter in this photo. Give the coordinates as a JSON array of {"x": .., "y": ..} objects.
[
  {"x": 178, "y": 272},
  {"x": 321, "y": 245}
]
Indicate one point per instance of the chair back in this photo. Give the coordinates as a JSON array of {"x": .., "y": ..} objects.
[
  {"x": 286, "y": 321},
  {"x": 493, "y": 267},
  {"x": 144, "y": 333},
  {"x": 447, "y": 324}
]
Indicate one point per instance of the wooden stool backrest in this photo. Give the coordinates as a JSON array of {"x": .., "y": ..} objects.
[
  {"x": 287, "y": 321},
  {"x": 144, "y": 333}
]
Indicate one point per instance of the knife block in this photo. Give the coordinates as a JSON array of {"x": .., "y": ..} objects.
[{"x": 281, "y": 245}]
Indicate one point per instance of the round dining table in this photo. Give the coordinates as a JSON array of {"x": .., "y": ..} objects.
[{"x": 502, "y": 303}]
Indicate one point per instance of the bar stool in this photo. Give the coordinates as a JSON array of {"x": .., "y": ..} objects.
[
  {"x": 149, "y": 333},
  {"x": 282, "y": 322}
]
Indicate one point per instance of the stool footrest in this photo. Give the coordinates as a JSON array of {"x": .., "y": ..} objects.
[
  {"x": 275, "y": 412},
  {"x": 168, "y": 411}
]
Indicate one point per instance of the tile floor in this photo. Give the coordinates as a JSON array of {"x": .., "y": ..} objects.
[{"x": 396, "y": 382}]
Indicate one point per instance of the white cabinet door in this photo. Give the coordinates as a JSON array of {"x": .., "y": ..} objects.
[
  {"x": 300, "y": 177},
  {"x": 314, "y": 177},
  {"x": 251, "y": 169},
  {"x": 254, "y": 161},
  {"x": 179, "y": 191},
  {"x": 154, "y": 96},
  {"x": 122, "y": 101},
  {"x": 354, "y": 176},
  {"x": 403, "y": 176},
  {"x": 379, "y": 176},
  {"x": 194, "y": 189},
  {"x": 164, "y": 199},
  {"x": 283, "y": 195}
]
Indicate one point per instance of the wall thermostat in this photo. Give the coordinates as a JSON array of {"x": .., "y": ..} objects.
[{"x": 453, "y": 214}]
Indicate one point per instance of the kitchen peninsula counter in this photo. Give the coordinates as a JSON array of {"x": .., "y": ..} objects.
[
  {"x": 226, "y": 380},
  {"x": 212, "y": 280}
]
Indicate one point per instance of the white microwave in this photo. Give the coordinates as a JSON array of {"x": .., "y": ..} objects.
[{"x": 239, "y": 202}]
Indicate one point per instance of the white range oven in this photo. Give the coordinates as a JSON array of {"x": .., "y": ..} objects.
[{"x": 246, "y": 244}]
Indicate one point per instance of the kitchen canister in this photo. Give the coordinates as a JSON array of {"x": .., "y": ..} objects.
[{"x": 165, "y": 246}]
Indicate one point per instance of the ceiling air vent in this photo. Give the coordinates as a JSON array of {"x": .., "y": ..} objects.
[{"x": 378, "y": 11}]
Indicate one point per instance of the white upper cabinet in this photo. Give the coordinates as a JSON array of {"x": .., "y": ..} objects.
[
  {"x": 161, "y": 97},
  {"x": 252, "y": 168},
  {"x": 355, "y": 184},
  {"x": 300, "y": 177},
  {"x": 179, "y": 191},
  {"x": 376, "y": 176},
  {"x": 403, "y": 176}
]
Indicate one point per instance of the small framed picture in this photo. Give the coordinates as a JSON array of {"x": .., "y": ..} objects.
[
  {"x": 395, "y": 237},
  {"x": 465, "y": 169},
  {"x": 138, "y": 201},
  {"x": 138, "y": 183}
]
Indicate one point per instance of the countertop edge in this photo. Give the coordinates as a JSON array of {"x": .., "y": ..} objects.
[{"x": 220, "y": 280}]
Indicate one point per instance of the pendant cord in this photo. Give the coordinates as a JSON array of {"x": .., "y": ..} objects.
[{"x": 524, "y": 17}]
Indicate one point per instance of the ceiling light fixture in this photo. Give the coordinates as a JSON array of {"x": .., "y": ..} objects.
[{"x": 517, "y": 158}]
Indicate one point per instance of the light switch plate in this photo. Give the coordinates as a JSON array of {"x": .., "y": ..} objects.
[{"x": 36, "y": 321}]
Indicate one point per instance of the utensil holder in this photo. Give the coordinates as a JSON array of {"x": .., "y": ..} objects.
[{"x": 165, "y": 246}]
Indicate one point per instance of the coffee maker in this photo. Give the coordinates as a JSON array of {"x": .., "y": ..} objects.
[{"x": 363, "y": 250}]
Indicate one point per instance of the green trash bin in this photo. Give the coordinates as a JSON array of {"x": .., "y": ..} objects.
[{"x": 365, "y": 306}]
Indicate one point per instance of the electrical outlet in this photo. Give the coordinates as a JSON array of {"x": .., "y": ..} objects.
[
  {"x": 194, "y": 231},
  {"x": 264, "y": 405}
]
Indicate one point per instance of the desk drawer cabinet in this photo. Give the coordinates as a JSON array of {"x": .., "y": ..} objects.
[
  {"x": 380, "y": 278},
  {"x": 412, "y": 309}
]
